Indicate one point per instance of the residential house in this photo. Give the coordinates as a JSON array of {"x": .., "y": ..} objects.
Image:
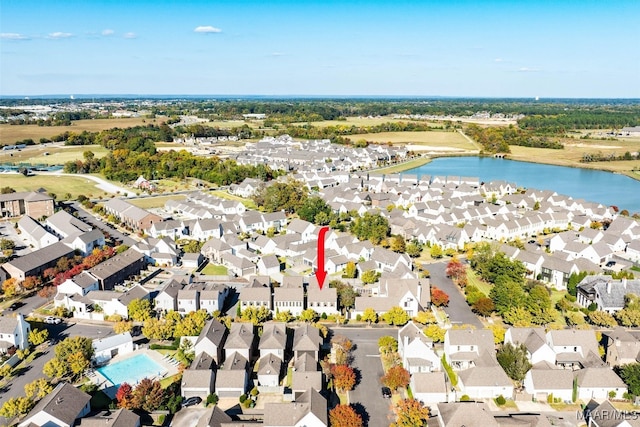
[
  {"x": 306, "y": 374},
  {"x": 34, "y": 263},
  {"x": 273, "y": 340},
  {"x": 167, "y": 297},
  {"x": 34, "y": 233},
  {"x": 596, "y": 383},
  {"x": 241, "y": 340},
  {"x": 323, "y": 300},
  {"x": 86, "y": 242},
  {"x": 309, "y": 410},
  {"x": 485, "y": 380},
  {"x": 606, "y": 415},
  {"x": 289, "y": 296},
  {"x": 131, "y": 215},
  {"x": 64, "y": 225},
  {"x": 241, "y": 267},
  {"x": 104, "y": 349},
  {"x": 232, "y": 379},
  {"x": 305, "y": 229},
  {"x": 621, "y": 347},
  {"x": 214, "y": 249},
  {"x": 112, "y": 418},
  {"x": 112, "y": 302},
  {"x": 535, "y": 341},
  {"x": 14, "y": 333},
  {"x": 268, "y": 265},
  {"x": 269, "y": 370},
  {"x": 545, "y": 383},
  {"x": 306, "y": 339},
  {"x": 464, "y": 347},
  {"x": 60, "y": 408},
  {"x": 413, "y": 295},
  {"x": 206, "y": 229},
  {"x": 574, "y": 347},
  {"x": 217, "y": 418},
  {"x": 256, "y": 294},
  {"x": 32, "y": 203},
  {"x": 192, "y": 261},
  {"x": 416, "y": 350},
  {"x": 468, "y": 414},
  {"x": 606, "y": 293},
  {"x": 199, "y": 379},
  {"x": 211, "y": 340},
  {"x": 430, "y": 387},
  {"x": 116, "y": 270},
  {"x": 80, "y": 284}
]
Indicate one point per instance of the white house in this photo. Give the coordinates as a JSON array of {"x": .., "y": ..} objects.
[
  {"x": 60, "y": 408},
  {"x": 543, "y": 383},
  {"x": 416, "y": 350},
  {"x": 429, "y": 387},
  {"x": 535, "y": 342},
  {"x": 14, "y": 332},
  {"x": 104, "y": 349},
  {"x": 269, "y": 369},
  {"x": 485, "y": 382},
  {"x": 596, "y": 383}
]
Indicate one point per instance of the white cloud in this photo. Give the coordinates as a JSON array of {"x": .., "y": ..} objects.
[
  {"x": 277, "y": 54},
  {"x": 498, "y": 60},
  {"x": 207, "y": 29},
  {"x": 130, "y": 35},
  {"x": 528, "y": 70},
  {"x": 59, "y": 35},
  {"x": 107, "y": 32},
  {"x": 13, "y": 36}
]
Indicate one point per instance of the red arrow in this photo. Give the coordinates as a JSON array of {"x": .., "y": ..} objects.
[{"x": 321, "y": 274}]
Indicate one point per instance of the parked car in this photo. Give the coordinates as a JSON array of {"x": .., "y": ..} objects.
[
  {"x": 192, "y": 401},
  {"x": 386, "y": 392},
  {"x": 611, "y": 263},
  {"x": 14, "y": 306},
  {"x": 52, "y": 320}
]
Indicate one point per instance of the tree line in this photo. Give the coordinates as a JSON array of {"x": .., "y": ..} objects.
[{"x": 498, "y": 139}]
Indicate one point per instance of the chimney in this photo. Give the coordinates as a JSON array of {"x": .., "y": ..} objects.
[{"x": 609, "y": 287}]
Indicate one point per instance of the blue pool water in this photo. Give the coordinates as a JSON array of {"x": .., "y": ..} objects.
[{"x": 131, "y": 370}]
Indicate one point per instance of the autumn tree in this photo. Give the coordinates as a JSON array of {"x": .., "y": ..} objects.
[
  {"x": 122, "y": 327},
  {"x": 47, "y": 292},
  {"x": 344, "y": 416},
  {"x": 436, "y": 251},
  {"x": 425, "y": 318},
  {"x": 396, "y": 377},
  {"x": 309, "y": 315},
  {"x": 369, "y": 277},
  {"x": 10, "y": 287},
  {"x": 37, "y": 389},
  {"x": 395, "y": 316},
  {"x": 457, "y": 271},
  {"x": 484, "y": 307},
  {"x": 284, "y": 316},
  {"x": 435, "y": 332},
  {"x": 256, "y": 315},
  {"x": 397, "y": 244},
  {"x": 387, "y": 344},
  {"x": 346, "y": 293},
  {"x": 344, "y": 378},
  {"x": 147, "y": 395},
  {"x": 139, "y": 310},
  {"x": 30, "y": 282},
  {"x": 157, "y": 329},
  {"x": 350, "y": 270},
  {"x": 369, "y": 315},
  {"x": 38, "y": 336},
  {"x": 439, "y": 297},
  {"x": 410, "y": 413},
  {"x": 124, "y": 396},
  {"x": 15, "y": 406},
  {"x": 413, "y": 250},
  {"x": 602, "y": 318}
]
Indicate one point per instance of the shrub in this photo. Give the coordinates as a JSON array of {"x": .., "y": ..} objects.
[
  {"x": 465, "y": 398},
  {"x": 212, "y": 399},
  {"x": 500, "y": 400},
  {"x": 254, "y": 391},
  {"x": 358, "y": 317},
  {"x": 243, "y": 398}
]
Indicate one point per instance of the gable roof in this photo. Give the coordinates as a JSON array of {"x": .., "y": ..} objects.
[
  {"x": 289, "y": 414},
  {"x": 65, "y": 403},
  {"x": 214, "y": 332},
  {"x": 274, "y": 336},
  {"x": 306, "y": 338},
  {"x": 241, "y": 336},
  {"x": 118, "y": 418},
  {"x": 468, "y": 414}
]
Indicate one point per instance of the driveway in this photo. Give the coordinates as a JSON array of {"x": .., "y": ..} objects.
[
  {"x": 458, "y": 310},
  {"x": 32, "y": 372},
  {"x": 188, "y": 417},
  {"x": 367, "y": 396}
]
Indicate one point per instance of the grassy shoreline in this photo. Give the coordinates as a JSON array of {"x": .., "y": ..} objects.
[{"x": 401, "y": 167}]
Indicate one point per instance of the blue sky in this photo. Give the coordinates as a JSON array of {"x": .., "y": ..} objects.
[{"x": 497, "y": 48}]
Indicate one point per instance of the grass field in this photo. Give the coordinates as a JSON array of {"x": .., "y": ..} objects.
[
  {"x": 249, "y": 204},
  {"x": 9, "y": 134},
  {"x": 60, "y": 185},
  {"x": 474, "y": 280},
  {"x": 215, "y": 270},
  {"x": 414, "y": 163},
  {"x": 436, "y": 139},
  {"x": 575, "y": 149},
  {"x": 58, "y": 155},
  {"x": 155, "y": 202},
  {"x": 363, "y": 121}
]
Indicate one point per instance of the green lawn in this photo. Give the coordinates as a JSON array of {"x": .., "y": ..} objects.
[
  {"x": 413, "y": 163},
  {"x": 155, "y": 202},
  {"x": 436, "y": 139},
  {"x": 249, "y": 204},
  {"x": 60, "y": 185},
  {"x": 474, "y": 280},
  {"x": 215, "y": 270},
  {"x": 56, "y": 155}
]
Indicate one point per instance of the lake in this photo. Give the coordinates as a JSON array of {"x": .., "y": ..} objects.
[{"x": 592, "y": 185}]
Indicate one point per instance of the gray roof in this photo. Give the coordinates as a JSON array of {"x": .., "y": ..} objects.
[
  {"x": 231, "y": 378},
  {"x": 305, "y": 363},
  {"x": 552, "y": 379},
  {"x": 171, "y": 288},
  {"x": 41, "y": 257},
  {"x": 306, "y": 338},
  {"x": 65, "y": 403},
  {"x": 84, "y": 280},
  {"x": 612, "y": 296},
  {"x": 485, "y": 376},
  {"x": 216, "y": 419},
  {"x": 235, "y": 362},
  {"x": 274, "y": 336},
  {"x": 118, "y": 418},
  {"x": 119, "y": 262},
  {"x": 599, "y": 377},
  {"x": 288, "y": 414},
  {"x": 241, "y": 336},
  {"x": 270, "y": 365},
  {"x": 468, "y": 414},
  {"x": 429, "y": 382},
  {"x": 214, "y": 331},
  {"x": 197, "y": 378}
]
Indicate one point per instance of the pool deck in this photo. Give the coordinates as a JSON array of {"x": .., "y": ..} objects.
[{"x": 169, "y": 366}]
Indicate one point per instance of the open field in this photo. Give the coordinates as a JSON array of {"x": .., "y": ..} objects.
[
  {"x": 155, "y": 202},
  {"x": 224, "y": 195},
  {"x": 363, "y": 121},
  {"x": 9, "y": 134},
  {"x": 228, "y": 124},
  {"x": 401, "y": 167},
  {"x": 430, "y": 140},
  {"x": 60, "y": 185},
  {"x": 575, "y": 149},
  {"x": 58, "y": 154}
]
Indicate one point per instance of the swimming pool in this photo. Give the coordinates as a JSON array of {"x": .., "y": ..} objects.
[{"x": 131, "y": 370}]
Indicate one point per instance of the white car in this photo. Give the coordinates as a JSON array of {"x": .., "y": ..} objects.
[{"x": 52, "y": 320}]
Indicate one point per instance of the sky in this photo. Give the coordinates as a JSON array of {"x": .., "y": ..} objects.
[{"x": 456, "y": 48}]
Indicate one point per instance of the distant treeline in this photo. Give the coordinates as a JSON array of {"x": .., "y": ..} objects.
[
  {"x": 57, "y": 119},
  {"x": 600, "y": 157},
  {"x": 498, "y": 139},
  {"x": 562, "y": 123}
]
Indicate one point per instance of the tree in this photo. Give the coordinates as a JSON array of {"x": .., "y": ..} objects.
[
  {"x": 370, "y": 316},
  {"x": 288, "y": 196},
  {"x": 192, "y": 247},
  {"x": 147, "y": 395},
  {"x": 37, "y": 389},
  {"x": 372, "y": 227},
  {"x": 628, "y": 317},
  {"x": 369, "y": 277},
  {"x": 410, "y": 413},
  {"x": 398, "y": 244},
  {"x": 507, "y": 294},
  {"x": 439, "y": 297},
  {"x": 15, "y": 406},
  {"x": 395, "y": 316},
  {"x": 157, "y": 329},
  {"x": 630, "y": 374},
  {"x": 7, "y": 244},
  {"x": 518, "y": 316},
  {"x": 387, "y": 344},
  {"x": 256, "y": 315},
  {"x": 498, "y": 333},
  {"x": 139, "y": 310},
  {"x": 436, "y": 251},
  {"x": 514, "y": 361},
  {"x": 10, "y": 287},
  {"x": 425, "y": 318},
  {"x": 435, "y": 332},
  {"x": 540, "y": 306},
  {"x": 344, "y": 416},
  {"x": 30, "y": 282},
  {"x": 77, "y": 363},
  {"x": 484, "y": 307},
  {"x": 7, "y": 190},
  {"x": 350, "y": 270},
  {"x": 191, "y": 325},
  {"x": 55, "y": 369},
  {"x": 346, "y": 293},
  {"x": 396, "y": 377},
  {"x": 122, "y": 327},
  {"x": 284, "y": 316},
  {"x": 344, "y": 378},
  {"x": 457, "y": 271},
  {"x": 602, "y": 318},
  {"x": 38, "y": 336},
  {"x": 47, "y": 292},
  {"x": 124, "y": 396},
  {"x": 309, "y": 316},
  {"x": 311, "y": 207},
  {"x": 413, "y": 250}
]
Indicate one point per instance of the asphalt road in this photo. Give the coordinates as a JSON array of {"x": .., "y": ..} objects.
[
  {"x": 32, "y": 372},
  {"x": 367, "y": 396},
  {"x": 458, "y": 310}
]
